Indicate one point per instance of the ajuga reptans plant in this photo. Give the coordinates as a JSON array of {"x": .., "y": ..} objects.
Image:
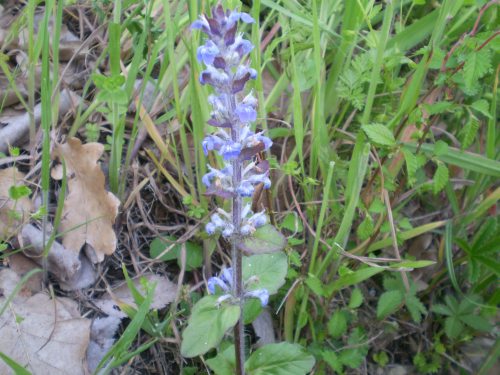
[{"x": 226, "y": 71}]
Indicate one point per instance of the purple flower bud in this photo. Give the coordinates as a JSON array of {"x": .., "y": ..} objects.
[
  {"x": 261, "y": 294},
  {"x": 253, "y": 73},
  {"x": 207, "y": 52},
  {"x": 246, "y": 113},
  {"x": 258, "y": 220}
]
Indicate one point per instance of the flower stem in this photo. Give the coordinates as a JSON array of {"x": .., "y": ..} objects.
[{"x": 239, "y": 336}]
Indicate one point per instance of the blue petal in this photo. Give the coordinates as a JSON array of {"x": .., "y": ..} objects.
[
  {"x": 261, "y": 294},
  {"x": 207, "y": 179},
  {"x": 236, "y": 16},
  {"x": 267, "y": 141},
  {"x": 228, "y": 231},
  {"x": 246, "y": 113},
  {"x": 246, "y": 230},
  {"x": 230, "y": 150},
  {"x": 217, "y": 220},
  {"x": 207, "y": 52},
  {"x": 216, "y": 281},
  {"x": 243, "y": 47},
  {"x": 200, "y": 24},
  {"x": 245, "y": 17},
  {"x": 253, "y": 73},
  {"x": 210, "y": 228},
  {"x": 245, "y": 189},
  {"x": 258, "y": 220},
  {"x": 211, "y": 142},
  {"x": 227, "y": 275}
]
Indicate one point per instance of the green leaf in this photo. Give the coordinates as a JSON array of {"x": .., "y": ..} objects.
[
  {"x": 411, "y": 166},
  {"x": 332, "y": 359},
  {"x": 453, "y": 327},
  {"x": 406, "y": 235},
  {"x": 353, "y": 357},
  {"x": 18, "y": 192},
  {"x": 207, "y": 326},
  {"x": 469, "y": 132},
  {"x": 365, "y": 229},
  {"x": 463, "y": 159},
  {"x": 353, "y": 278},
  {"x": 194, "y": 252},
  {"x": 337, "y": 325},
  {"x": 477, "y": 65},
  {"x": 379, "y": 134},
  {"x": 440, "y": 178},
  {"x": 477, "y": 322},
  {"x": 267, "y": 271},
  {"x": 293, "y": 223},
  {"x": 440, "y": 148},
  {"x": 416, "y": 308},
  {"x": 482, "y": 106},
  {"x": 265, "y": 239},
  {"x": 316, "y": 285},
  {"x": 441, "y": 309},
  {"x": 412, "y": 264},
  {"x": 251, "y": 310},
  {"x": 438, "y": 107},
  {"x": 388, "y": 303},
  {"x": 224, "y": 363},
  {"x": 356, "y": 299},
  {"x": 280, "y": 359}
]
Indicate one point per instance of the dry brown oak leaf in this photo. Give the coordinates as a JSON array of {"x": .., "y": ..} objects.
[
  {"x": 45, "y": 335},
  {"x": 9, "y": 223},
  {"x": 89, "y": 210}
]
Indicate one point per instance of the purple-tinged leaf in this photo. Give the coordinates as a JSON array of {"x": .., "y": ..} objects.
[
  {"x": 219, "y": 62},
  {"x": 239, "y": 84},
  {"x": 212, "y": 190},
  {"x": 248, "y": 152},
  {"x": 219, "y": 12},
  {"x": 214, "y": 26},
  {"x": 230, "y": 35},
  {"x": 206, "y": 78},
  {"x": 214, "y": 122},
  {"x": 262, "y": 167}
]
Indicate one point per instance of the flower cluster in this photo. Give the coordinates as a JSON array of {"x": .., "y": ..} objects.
[
  {"x": 225, "y": 283},
  {"x": 227, "y": 72},
  {"x": 221, "y": 221}
]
